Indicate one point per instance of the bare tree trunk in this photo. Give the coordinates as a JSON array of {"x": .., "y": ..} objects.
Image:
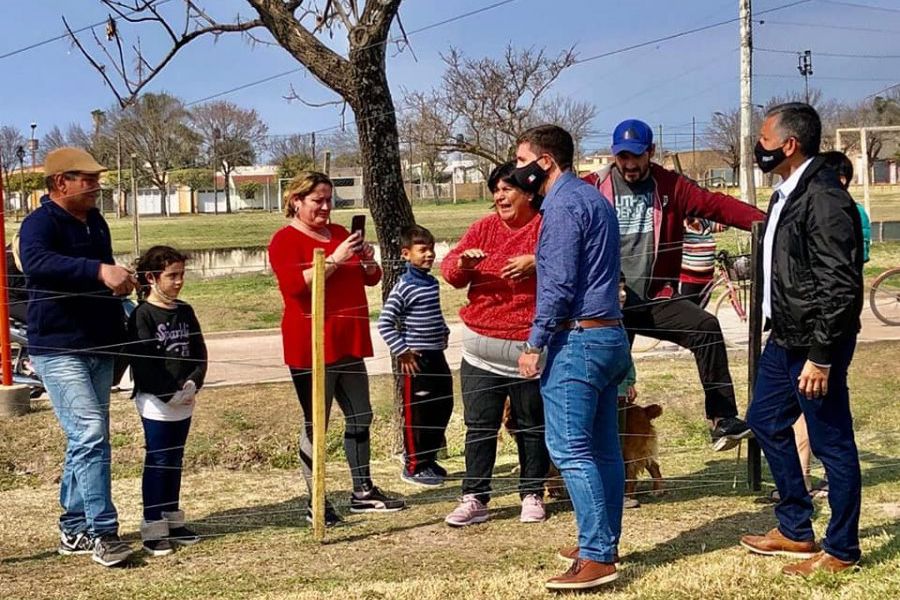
[
  {"x": 382, "y": 181},
  {"x": 227, "y": 192}
]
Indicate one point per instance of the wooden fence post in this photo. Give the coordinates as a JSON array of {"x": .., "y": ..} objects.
[
  {"x": 318, "y": 394},
  {"x": 754, "y": 455}
]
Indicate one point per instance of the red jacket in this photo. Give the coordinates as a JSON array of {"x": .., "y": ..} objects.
[{"x": 675, "y": 198}]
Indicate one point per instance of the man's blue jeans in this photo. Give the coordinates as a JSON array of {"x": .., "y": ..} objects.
[
  {"x": 78, "y": 385},
  {"x": 777, "y": 403},
  {"x": 584, "y": 366}
]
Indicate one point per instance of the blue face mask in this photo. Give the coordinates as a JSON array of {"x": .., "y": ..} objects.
[{"x": 529, "y": 178}]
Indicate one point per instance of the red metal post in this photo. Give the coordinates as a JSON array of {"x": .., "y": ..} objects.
[{"x": 5, "y": 352}]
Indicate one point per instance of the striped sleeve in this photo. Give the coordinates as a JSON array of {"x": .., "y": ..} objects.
[{"x": 391, "y": 317}]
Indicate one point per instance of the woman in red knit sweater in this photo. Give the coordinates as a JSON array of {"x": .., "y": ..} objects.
[
  {"x": 495, "y": 260},
  {"x": 349, "y": 268}
]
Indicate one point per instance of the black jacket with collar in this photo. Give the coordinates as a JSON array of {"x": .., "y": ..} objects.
[{"x": 817, "y": 258}]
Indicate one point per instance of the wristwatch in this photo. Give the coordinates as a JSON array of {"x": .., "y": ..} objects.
[{"x": 527, "y": 348}]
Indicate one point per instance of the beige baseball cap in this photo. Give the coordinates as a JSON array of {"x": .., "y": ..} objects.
[{"x": 71, "y": 160}]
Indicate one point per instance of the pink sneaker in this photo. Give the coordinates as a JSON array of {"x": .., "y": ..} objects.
[
  {"x": 469, "y": 511},
  {"x": 532, "y": 509}
]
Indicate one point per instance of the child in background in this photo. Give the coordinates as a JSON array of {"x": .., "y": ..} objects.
[
  {"x": 168, "y": 365},
  {"x": 698, "y": 258},
  {"x": 413, "y": 327}
]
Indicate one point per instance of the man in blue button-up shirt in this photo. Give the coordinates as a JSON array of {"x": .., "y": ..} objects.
[{"x": 578, "y": 322}]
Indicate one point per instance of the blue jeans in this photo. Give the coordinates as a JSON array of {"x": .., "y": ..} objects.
[
  {"x": 161, "y": 482},
  {"x": 776, "y": 405},
  {"x": 78, "y": 385},
  {"x": 584, "y": 367}
]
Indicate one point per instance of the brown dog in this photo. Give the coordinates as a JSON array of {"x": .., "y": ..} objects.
[
  {"x": 639, "y": 445},
  {"x": 639, "y": 448}
]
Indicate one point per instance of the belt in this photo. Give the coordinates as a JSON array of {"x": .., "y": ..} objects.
[{"x": 588, "y": 324}]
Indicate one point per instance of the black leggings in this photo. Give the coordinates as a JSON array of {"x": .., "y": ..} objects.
[{"x": 347, "y": 382}]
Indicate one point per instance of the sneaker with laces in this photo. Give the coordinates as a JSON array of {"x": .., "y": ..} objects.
[
  {"x": 74, "y": 543},
  {"x": 160, "y": 547},
  {"x": 469, "y": 511},
  {"x": 182, "y": 536},
  {"x": 728, "y": 433},
  {"x": 109, "y": 550},
  {"x": 374, "y": 500},
  {"x": 583, "y": 575},
  {"x": 439, "y": 470},
  {"x": 532, "y": 509},
  {"x": 425, "y": 478},
  {"x": 332, "y": 518}
]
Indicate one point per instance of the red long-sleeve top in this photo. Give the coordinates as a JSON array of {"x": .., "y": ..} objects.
[
  {"x": 498, "y": 308},
  {"x": 346, "y": 308}
]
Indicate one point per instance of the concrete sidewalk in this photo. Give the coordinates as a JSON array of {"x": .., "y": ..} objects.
[{"x": 256, "y": 356}]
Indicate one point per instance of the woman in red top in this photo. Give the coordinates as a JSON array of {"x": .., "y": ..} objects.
[
  {"x": 349, "y": 267},
  {"x": 495, "y": 260}
]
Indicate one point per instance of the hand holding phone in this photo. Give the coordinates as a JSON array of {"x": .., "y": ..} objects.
[{"x": 359, "y": 224}]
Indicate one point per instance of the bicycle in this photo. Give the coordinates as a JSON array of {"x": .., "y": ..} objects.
[
  {"x": 884, "y": 297},
  {"x": 732, "y": 275}
]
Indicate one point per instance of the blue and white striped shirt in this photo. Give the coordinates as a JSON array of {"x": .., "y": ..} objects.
[{"x": 411, "y": 318}]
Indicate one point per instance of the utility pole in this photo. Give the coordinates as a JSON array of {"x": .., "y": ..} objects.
[
  {"x": 313, "y": 136},
  {"x": 694, "y": 147},
  {"x": 659, "y": 144},
  {"x": 217, "y": 133},
  {"x": 748, "y": 185},
  {"x": 804, "y": 65},
  {"x": 20, "y": 154},
  {"x": 34, "y": 145},
  {"x": 135, "y": 211},
  {"x": 118, "y": 176}
]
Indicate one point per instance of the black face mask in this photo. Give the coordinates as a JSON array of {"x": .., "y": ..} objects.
[
  {"x": 768, "y": 159},
  {"x": 529, "y": 178}
]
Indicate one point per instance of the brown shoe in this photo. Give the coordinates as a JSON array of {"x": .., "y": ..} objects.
[
  {"x": 582, "y": 575},
  {"x": 568, "y": 554},
  {"x": 775, "y": 544},
  {"x": 821, "y": 561}
]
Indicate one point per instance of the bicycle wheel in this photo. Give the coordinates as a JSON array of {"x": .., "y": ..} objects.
[
  {"x": 884, "y": 298},
  {"x": 734, "y": 327}
]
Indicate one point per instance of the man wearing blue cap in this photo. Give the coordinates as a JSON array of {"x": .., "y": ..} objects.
[{"x": 651, "y": 203}]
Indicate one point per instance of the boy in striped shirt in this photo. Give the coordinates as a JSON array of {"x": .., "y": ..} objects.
[{"x": 413, "y": 327}]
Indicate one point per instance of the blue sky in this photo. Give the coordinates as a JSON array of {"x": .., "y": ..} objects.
[{"x": 665, "y": 84}]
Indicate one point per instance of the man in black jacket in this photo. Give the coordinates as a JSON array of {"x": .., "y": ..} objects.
[{"x": 812, "y": 298}]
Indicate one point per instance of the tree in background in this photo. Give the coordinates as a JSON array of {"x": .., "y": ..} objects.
[
  {"x": 154, "y": 127},
  {"x": 74, "y": 136},
  {"x": 358, "y": 78},
  {"x": 232, "y": 137},
  {"x": 483, "y": 104},
  {"x": 10, "y": 139}
]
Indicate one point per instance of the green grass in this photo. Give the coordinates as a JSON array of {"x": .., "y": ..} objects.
[
  {"x": 243, "y": 493},
  {"x": 447, "y": 221},
  {"x": 252, "y": 229}
]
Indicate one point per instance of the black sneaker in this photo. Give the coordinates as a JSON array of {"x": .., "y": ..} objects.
[
  {"x": 332, "y": 518},
  {"x": 109, "y": 550},
  {"x": 374, "y": 500},
  {"x": 182, "y": 536},
  {"x": 439, "y": 470},
  {"x": 158, "y": 547},
  {"x": 728, "y": 433},
  {"x": 74, "y": 543},
  {"x": 426, "y": 477}
]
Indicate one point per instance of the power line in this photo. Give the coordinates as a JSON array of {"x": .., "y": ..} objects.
[
  {"x": 65, "y": 35},
  {"x": 409, "y": 33},
  {"x": 858, "y": 5},
  {"x": 783, "y": 76},
  {"x": 824, "y": 26},
  {"x": 832, "y": 54},
  {"x": 679, "y": 34}
]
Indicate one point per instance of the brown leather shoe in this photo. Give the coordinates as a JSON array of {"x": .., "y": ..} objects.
[
  {"x": 775, "y": 544},
  {"x": 568, "y": 554},
  {"x": 821, "y": 561},
  {"x": 582, "y": 575}
]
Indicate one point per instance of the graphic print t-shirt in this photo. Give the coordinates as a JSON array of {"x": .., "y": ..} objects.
[
  {"x": 634, "y": 208},
  {"x": 167, "y": 349}
]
